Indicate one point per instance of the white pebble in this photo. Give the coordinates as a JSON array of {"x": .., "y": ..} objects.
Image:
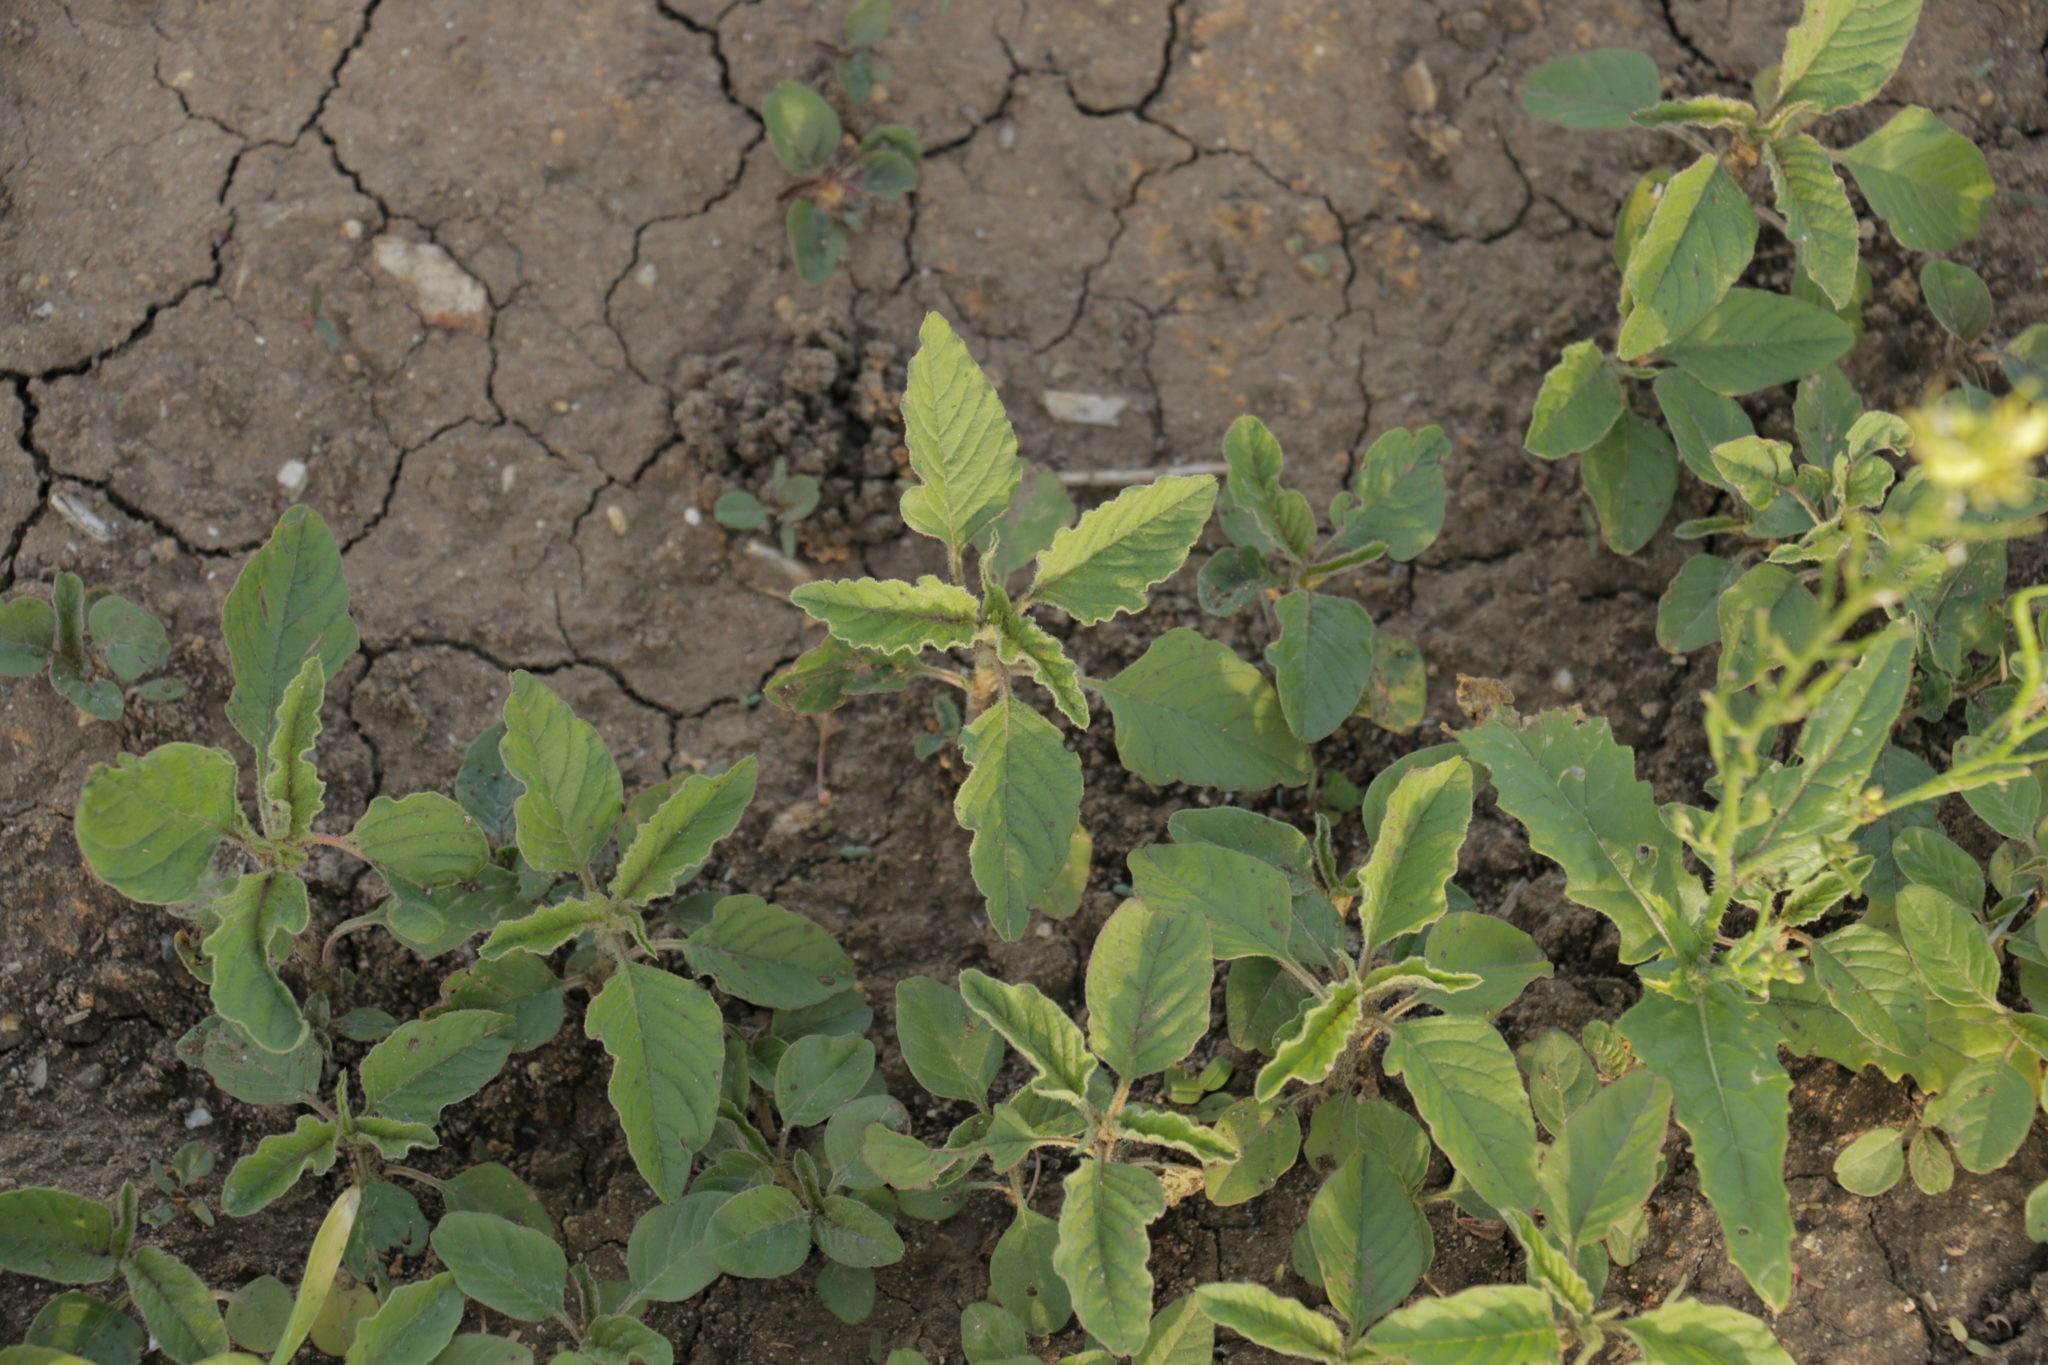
[
  {"x": 647, "y": 275},
  {"x": 291, "y": 475},
  {"x": 692, "y": 517},
  {"x": 507, "y": 476},
  {"x": 199, "y": 1117},
  {"x": 1563, "y": 680}
]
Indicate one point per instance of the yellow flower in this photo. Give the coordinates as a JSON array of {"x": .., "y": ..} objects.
[{"x": 1988, "y": 454}]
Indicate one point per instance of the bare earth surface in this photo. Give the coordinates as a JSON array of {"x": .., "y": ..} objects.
[{"x": 1205, "y": 208}]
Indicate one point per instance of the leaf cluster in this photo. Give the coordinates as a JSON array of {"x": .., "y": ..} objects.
[{"x": 94, "y": 645}]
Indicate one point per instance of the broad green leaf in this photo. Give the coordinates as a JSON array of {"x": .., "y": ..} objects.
[
  {"x": 425, "y": 838},
  {"x": 1755, "y": 339},
  {"x": 176, "y": 1306},
  {"x": 1506, "y": 959},
  {"x": 1063, "y": 898},
  {"x": 292, "y": 790},
  {"x": 1103, "y": 1249},
  {"x": 479, "y": 1348},
  {"x": 672, "y": 843},
  {"x": 1841, "y": 52},
  {"x": 2037, "y": 1213},
  {"x": 276, "y": 1165},
  {"x": 823, "y": 678},
  {"x": 485, "y": 788},
  {"x": 991, "y": 1334},
  {"x": 573, "y": 792},
  {"x": 1874, "y": 992},
  {"x": 492, "y": 1188},
  {"x": 1264, "y": 838},
  {"x": 760, "y": 1234},
  {"x": 801, "y": 127},
  {"x": 1575, "y": 791},
  {"x": 28, "y": 631},
  {"x": 952, "y": 1052},
  {"x": 78, "y": 1327},
  {"x": 289, "y": 604},
  {"x": 1696, "y": 245},
  {"x": 504, "y": 1266},
  {"x": 1037, "y": 1028},
  {"x": 546, "y": 929},
  {"x": 429, "y": 1064},
  {"x": 1693, "y": 1333},
  {"x": 1934, "y": 1171},
  {"x": 1579, "y": 403},
  {"x": 1370, "y": 1237},
  {"x": 1494, "y": 1324},
  {"x": 668, "y": 1258},
  {"x": 2025, "y": 362},
  {"x": 55, "y": 1235},
  {"x": 257, "y": 917},
  {"x": 1321, "y": 1034},
  {"x": 412, "y": 1327},
  {"x": 1561, "y": 1075},
  {"x": 1465, "y": 1082},
  {"x": 1631, "y": 474},
  {"x": 1700, "y": 419},
  {"x": 1948, "y": 946},
  {"x": 816, "y": 242},
  {"x": 323, "y": 1262},
  {"x": 1401, "y": 886},
  {"x": 149, "y": 826},
  {"x": 1606, "y": 1162},
  {"x": 1257, "y": 512},
  {"x": 1344, "y": 1124},
  {"x": 1397, "y": 497},
  {"x": 248, "y": 1072},
  {"x": 1688, "y": 615},
  {"x": 1592, "y": 91},
  {"x": 1733, "y": 1098},
  {"x": 1818, "y": 219},
  {"x": 395, "y": 1137},
  {"x": 1022, "y": 799},
  {"x": 1189, "y": 710},
  {"x": 1148, "y": 989},
  {"x": 1872, "y": 1163},
  {"x": 768, "y": 956},
  {"x": 1929, "y": 858},
  {"x": 1022, "y": 1278},
  {"x": 851, "y": 1233},
  {"x": 2012, "y": 807},
  {"x": 1267, "y": 1139},
  {"x": 1260, "y": 1000},
  {"x": 1181, "y": 1335},
  {"x": 620, "y": 1340},
  {"x": 1259, "y": 1315},
  {"x": 1231, "y": 578},
  {"x": 1244, "y": 900},
  {"x": 1169, "y": 1128},
  {"x": 1958, "y": 298},
  {"x": 1040, "y": 507},
  {"x": 1986, "y": 1112},
  {"x": 666, "y": 1039},
  {"x": 1397, "y": 692},
  {"x": 1019, "y": 639},
  {"x": 1928, "y": 182},
  {"x": 1321, "y": 660},
  {"x": 817, "y": 1074},
  {"x": 962, "y": 447},
  {"x": 890, "y": 615},
  {"x": 1105, "y": 562},
  {"x": 1549, "y": 1267}
]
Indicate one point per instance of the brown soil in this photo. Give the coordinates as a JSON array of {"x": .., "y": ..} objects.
[{"x": 1205, "y": 207}]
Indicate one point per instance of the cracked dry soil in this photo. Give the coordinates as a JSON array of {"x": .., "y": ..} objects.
[{"x": 1205, "y": 207}]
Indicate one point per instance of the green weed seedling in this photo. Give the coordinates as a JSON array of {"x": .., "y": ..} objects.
[
  {"x": 791, "y": 498},
  {"x": 178, "y": 1184},
  {"x": 93, "y": 644},
  {"x": 1832, "y": 918},
  {"x": 1188, "y": 710},
  {"x": 1329, "y": 660},
  {"x": 1684, "y": 240},
  {"x": 833, "y": 181}
]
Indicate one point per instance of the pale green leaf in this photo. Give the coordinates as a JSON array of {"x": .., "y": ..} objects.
[
  {"x": 668, "y": 1257},
  {"x": 666, "y": 1039},
  {"x": 768, "y": 956},
  {"x": 1465, "y": 1082},
  {"x": 257, "y": 917},
  {"x": 1502, "y": 956},
  {"x": 1189, "y": 710},
  {"x": 1986, "y": 1112},
  {"x": 55, "y": 1235},
  {"x": 761, "y": 1233},
  {"x": 1733, "y": 1098},
  {"x": 1321, "y": 660},
  {"x": 1688, "y": 615},
  {"x": 546, "y": 929},
  {"x": 1579, "y": 403},
  {"x": 429, "y": 1064},
  {"x": 1486, "y": 1325},
  {"x": 323, "y": 1262},
  {"x": 1244, "y": 900},
  {"x": 1700, "y": 419},
  {"x": 1818, "y": 219},
  {"x": 1754, "y": 339},
  {"x": 276, "y": 1165},
  {"x": 1258, "y": 513},
  {"x": 1592, "y": 91},
  {"x": 1697, "y": 244},
  {"x": 1169, "y": 1128},
  {"x": 1103, "y": 1249},
  {"x": 1401, "y": 886},
  {"x": 572, "y": 789},
  {"x": 1308, "y": 1051},
  {"x": 1181, "y": 1335},
  {"x": 289, "y": 604},
  {"x": 1872, "y": 1163},
  {"x": 176, "y": 1305},
  {"x": 818, "y": 1073},
  {"x": 953, "y": 1052},
  {"x": 1396, "y": 498},
  {"x": 1692, "y": 1333},
  {"x": 1948, "y": 946},
  {"x": 1105, "y": 562},
  {"x": 511, "y": 1269},
  {"x": 1019, "y": 639},
  {"x": 1266, "y": 1319},
  {"x": 1841, "y": 52},
  {"x": 148, "y": 827},
  {"x": 1022, "y": 1278},
  {"x": 1928, "y": 182},
  {"x": 1606, "y": 1161},
  {"x": 673, "y": 842},
  {"x": 801, "y": 127},
  {"x": 1037, "y": 1028},
  {"x": 1631, "y": 474},
  {"x": 425, "y": 838},
  {"x": 412, "y": 1326},
  {"x": 891, "y": 616},
  {"x": 1148, "y": 989},
  {"x": 292, "y": 789},
  {"x": 1022, "y": 799},
  {"x": 852, "y": 1234},
  {"x": 962, "y": 447}
]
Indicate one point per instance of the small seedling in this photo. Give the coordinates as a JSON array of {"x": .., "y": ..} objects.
[
  {"x": 791, "y": 498},
  {"x": 189, "y": 1165},
  {"x": 92, "y": 643}
]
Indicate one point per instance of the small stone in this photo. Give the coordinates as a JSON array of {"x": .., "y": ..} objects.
[
  {"x": 616, "y": 515},
  {"x": 1084, "y": 409},
  {"x": 1418, "y": 83},
  {"x": 352, "y": 228},
  {"x": 199, "y": 1117},
  {"x": 291, "y": 476},
  {"x": 1006, "y": 136},
  {"x": 646, "y": 275},
  {"x": 692, "y": 517},
  {"x": 11, "y": 1031},
  {"x": 440, "y": 291},
  {"x": 91, "y": 1076},
  {"x": 1563, "y": 681},
  {"x": 560, "y": 407},
  {"x": 508, "y": 476}
]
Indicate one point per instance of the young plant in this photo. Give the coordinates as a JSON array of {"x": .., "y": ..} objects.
[
  {"x": 1188, "y": 710},
  {"x": 178, "y": 1181},
  {"x": 1684, "y": 240},
  {"x": 1767, "y": 948},
  {"x": 826, "y": 200},
  {"x": 791, "y": 498},
  {"x": 1329, "y": 661},
  {"x": 92, "y": 643}
]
